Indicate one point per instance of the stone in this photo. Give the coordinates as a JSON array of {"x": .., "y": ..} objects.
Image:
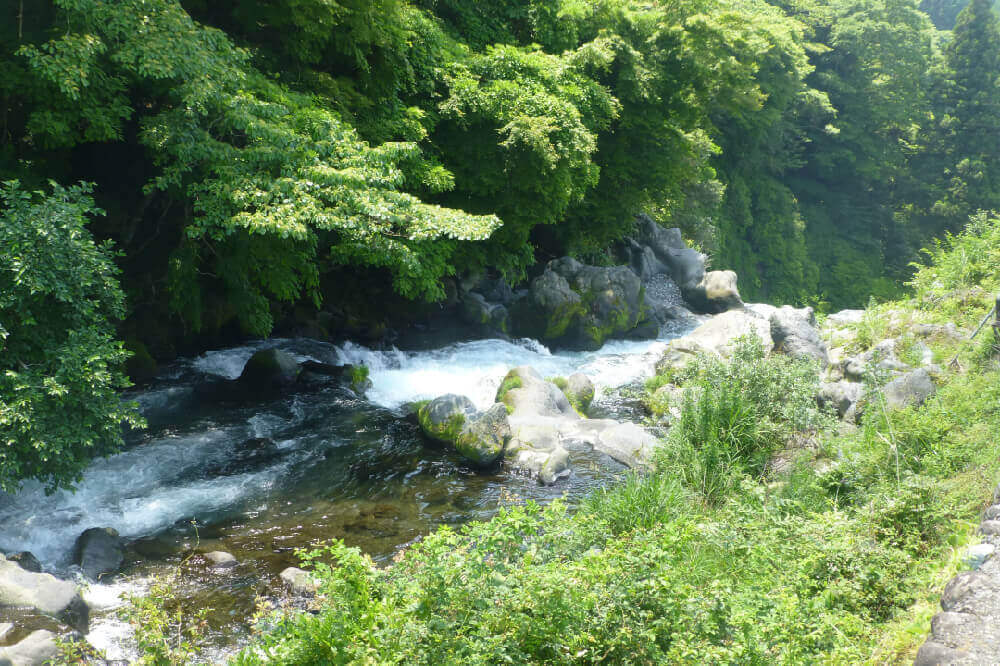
[
  {"x": 531, "y": 395},
  {"x": 845, "y": 318},
  {"x": 992, "y": 512},
  {"x": 882, "y": 358},
  {"x": 27, "y": 561},
  {"x": 715, "y": 292},
  {"x": 976, "y": 555},
  {"x": 841, "y": 396},
  {"x": 482, "y": 440},
  {"x": 579, "y": 391},
  {"x": 221, "y": 559},
  {"x": 6, "y": 629},
  {"x": 270, "y": 369},
  {"x": 932, "y": 653},
  {"x": 962, "y": 586},
  {"x": 576, "y": 306},
  {"x": 99, "y": 552},
  {"x": 716, "y": 336},
  {"x": 442, "y": 418},
  {"x": 990, "y": 528},
  {"x": 45, "y": 593},
  {"x": 36, "y": 649},
  {"x": 299, "y": 582},
  {"x": 548, "y": 467},
  {"x": 476, "y": 310},
  {"x": 627, "y": 443},
  {"x": 912, "y": 388},
  {"x": 794, "y": 333}
]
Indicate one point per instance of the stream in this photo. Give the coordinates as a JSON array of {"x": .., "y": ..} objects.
[{"x": 336, "y": 466}]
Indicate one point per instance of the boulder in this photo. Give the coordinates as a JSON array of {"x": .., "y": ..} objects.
[
  {"x": 269, "y": 369},
  {"x": 842, "y": 397},
  {"x": 716, "y": 336},
  {"x": 43, "y": 592},
  {"x": 99, "y": 552},
  {"x": 882, "y": 358},
  {"x": 443, "y": 418},
  {"x": 36, "y": 649},
  {"x": 715, "y": 292},
  {"x": 476, "y": 310},
  {"x": 548, "y": 466},
  {"x": 26, "y": 560},
  {"x": 482, "y": 440},
  {"x": 794, "y": 333},
  {"x": 845, "y": 318},
  {"x": 579, "y": 391},
  {"x": 221, "y": 559},
  {"x": 580, "y": 307},
  {"x": 912, "y": 388},
  {"x": 299, "y": 582},
  {"x": 526, "y": 393}
]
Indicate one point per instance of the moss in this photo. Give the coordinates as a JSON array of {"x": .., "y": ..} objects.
[
  {"x": 560, "y": 382},
  {"x": 510, "y": 382},
  {"x": 359, "y": 378},
  {"x": 446, "y": 432},
  {"x": 141, "y": 366}
]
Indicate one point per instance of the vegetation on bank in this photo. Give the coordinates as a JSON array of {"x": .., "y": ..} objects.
[{"x": 711, "y": 557}]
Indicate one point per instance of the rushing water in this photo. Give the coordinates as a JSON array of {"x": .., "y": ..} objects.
[{"x": 333, "y": 465}]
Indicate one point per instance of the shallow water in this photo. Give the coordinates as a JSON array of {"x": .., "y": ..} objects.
[{"x": 337, "y": 466}]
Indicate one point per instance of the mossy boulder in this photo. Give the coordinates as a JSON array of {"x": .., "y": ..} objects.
[
  {"x": 453, "y": 419},
  {"x": 482, "y": 440},
  {"x": 443, "y": 418},
  {"x": 141, "y": 366},
  {"x": 576, "y": 306}
]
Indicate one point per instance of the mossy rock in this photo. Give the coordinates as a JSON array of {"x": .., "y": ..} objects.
[
  {"x": 442, "y": 418},
  {"x": 579, "y": 390},
  {"x": 270, "y": 368},
  {"x": 482, "y": 441}
]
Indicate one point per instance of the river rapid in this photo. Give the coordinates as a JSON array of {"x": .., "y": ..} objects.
[{"x": 337, "y": 466}]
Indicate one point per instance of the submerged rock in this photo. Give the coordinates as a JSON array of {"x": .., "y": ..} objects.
[
  {"x": 99, "y": 552},
  {"x": 221, "y": 559},
  {"x": 299, "y": 582},
  {"x": 57, "y": 598},
  {"x": 38, "y": 648}
]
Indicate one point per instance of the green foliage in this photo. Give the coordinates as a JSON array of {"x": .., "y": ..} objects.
[
  {"x": 964, "y": 261},
  {"x": 61, "y": 366}
]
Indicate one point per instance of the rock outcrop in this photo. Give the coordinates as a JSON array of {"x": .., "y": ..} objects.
[{"x": 43, "y": 592}]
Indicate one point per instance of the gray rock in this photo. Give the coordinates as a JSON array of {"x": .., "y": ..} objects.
[
  {"x": 99, "y": 552},
  {"x": 482, "y": 440},
  {"x": 221, "y": 559},
  {"x": 881, "y": 358},
  {"x": 845, "y": 317},
  {"x": 27, "y": 561},
  {"x": 548, "y": 466},
  {"x": 912, "y": 388},
  {"x": 579, "y": 391},
  {"x": 990, "y": 528},
  {"x": 794, "y": 333},
  {"x": 935, "y": 654},
  {"x": 43, "y": 592},
  {"x": 476, "y": 310},
  {"x": 442, "y": 418},
  {"x": 38, "y": 648},
  {"x": 976, "y": 555},
  {"x": 269, "y": 369},
  {"x": 577, "y": 306},
  {"x": 840, "y": 396},
  {"x": 962, "y": 586},
  {"x": 992, "y": 512},
  {"x": 533, "y": 396},
  {"x": 716, "y": 336},
  {"x": 299, "y": 582},
  {"x": 627, "y": 443},
  {"x": 495, "y": 290},
  {"x": 715, "y": 292}
]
